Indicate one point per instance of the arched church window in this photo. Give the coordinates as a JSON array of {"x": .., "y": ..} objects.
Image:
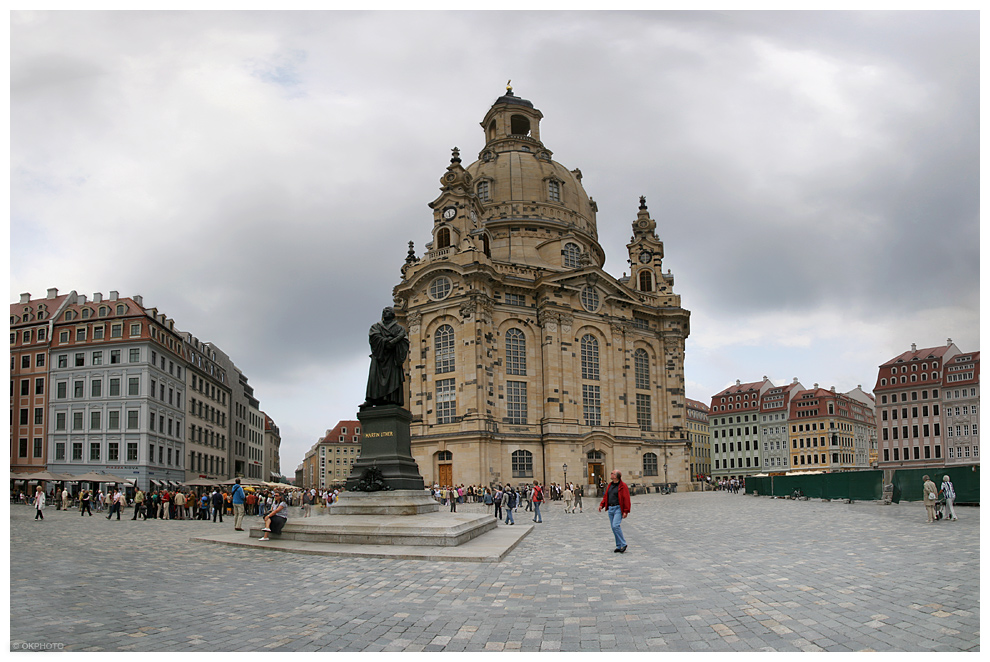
[
  {"x": 641, "y": 368},
  {"x": 553, "y": 191},
  {"x": 571, "y": 254},
  {"x": 443, "y": 344},
  {"x": 445, "y": 456},
  {"x": 491, "y": 131},
  {"x": 589, "y": 357},
  {"x": 486, "y": 245},
  {"x": 483, "y": 191},
  {"x": 649, "y": 464},
  {"x": 522, "y": 464},
  {"x": 443, "y": 238},
  {"x": 515, "y": 352},
  {"x": 645, "y": 281}
]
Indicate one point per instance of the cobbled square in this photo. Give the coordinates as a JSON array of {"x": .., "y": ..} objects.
[{"x": 704, "y": 572}]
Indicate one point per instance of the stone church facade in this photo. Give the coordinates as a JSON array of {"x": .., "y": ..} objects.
[{"x": 525, "y": 356}]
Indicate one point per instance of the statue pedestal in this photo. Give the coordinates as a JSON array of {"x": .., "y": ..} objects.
[{"x": 385, "y": 445}]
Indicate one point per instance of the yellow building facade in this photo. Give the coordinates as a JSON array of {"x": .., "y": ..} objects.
[{"x": 525, "y": 356}]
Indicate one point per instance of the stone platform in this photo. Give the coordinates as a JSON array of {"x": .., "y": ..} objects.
[
  {"x": 413, "y": 540},
  {"x": 393, "y": 502}
]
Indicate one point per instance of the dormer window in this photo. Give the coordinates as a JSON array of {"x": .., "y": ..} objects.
[
  {"x": 572, "y": 252},
  {"x": 483, "y": 191},
  {"x": 553, "y": 190}
]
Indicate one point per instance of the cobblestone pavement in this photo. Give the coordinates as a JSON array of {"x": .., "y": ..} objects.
[{"x": 704, "y": 572}]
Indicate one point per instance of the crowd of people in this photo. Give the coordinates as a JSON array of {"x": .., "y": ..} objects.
[{"x": 210, "y": 504}]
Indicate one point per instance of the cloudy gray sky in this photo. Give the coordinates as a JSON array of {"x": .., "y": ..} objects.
[{"x": 256, "y": 176}]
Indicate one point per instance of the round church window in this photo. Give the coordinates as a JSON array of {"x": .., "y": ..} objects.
[
  {"x": 589, "y": 299},
  {"x": 440, "y": 288}
]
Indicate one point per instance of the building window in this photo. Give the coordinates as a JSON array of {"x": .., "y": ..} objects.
[
  {"x": 134, "y": 386},
  {"x": 446, "y": 401},
  {"x": 572, "y": 253},
  {"x": 77, "y": 451},
  {"x": 515, "y": 397},
  {"x": 113, "y": 420},
  {"x": 553, "y": 191},
  {"x": 592, "y": 401},
  {"x": 443, "y": 238},
  {"x": 94, "y": 420},
  {"x": 132, "y": 454},
  {"x": 443, "y": 344},
  {"x": 641, "y": 366},
  {"x": 440, "y": 288},
  {"x": 644, "y": 418},
  {"x": 589, "y": 357},
  {"x": 645, "y": 281},
  {"x": 650, "y": 464},
  {"x": 515, "y": 352},
  {"x": 37, "y": 447},
  {"x": 589, "y": 299},
  {"x": 132, "y": 419},
  {"x": 522, "y": 464},
  {"x": 117, "y": 331},
  {"x": 483, "y": 191},
  {"x": 445, "y": 456},
  {"x": 94, "y": 452}
]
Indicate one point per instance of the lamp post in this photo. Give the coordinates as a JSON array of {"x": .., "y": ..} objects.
[{"x": 565, "y": 475}]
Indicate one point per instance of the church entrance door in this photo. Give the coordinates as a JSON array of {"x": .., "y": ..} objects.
[
  {"x": 446, "y": 474},
  {"x": 596, "y": 473}
]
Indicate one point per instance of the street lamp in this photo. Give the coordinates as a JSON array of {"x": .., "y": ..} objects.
[{"x": 565, "y": 475}]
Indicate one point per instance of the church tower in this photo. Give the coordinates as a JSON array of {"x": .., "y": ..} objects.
[{"x": 525, "y": 355}]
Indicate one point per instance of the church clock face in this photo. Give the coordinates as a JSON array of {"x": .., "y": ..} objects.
[
  {"x": 645, "y": 257},
  {"x": 449, "y": 213}
]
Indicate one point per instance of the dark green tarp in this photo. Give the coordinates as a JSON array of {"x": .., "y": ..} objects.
[
  {"x": 868, "y": 485},
  {"x": 965, "y": 480}
]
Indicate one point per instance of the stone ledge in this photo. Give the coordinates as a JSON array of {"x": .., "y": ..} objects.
[
  {"x": 491, "y": 547},
  {"x": 430, "y": 529}
]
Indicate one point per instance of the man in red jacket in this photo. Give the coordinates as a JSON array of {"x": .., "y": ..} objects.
[{"x": 616, "y": 500}]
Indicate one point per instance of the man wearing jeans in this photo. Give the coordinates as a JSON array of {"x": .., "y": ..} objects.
[
  {"x": 537, "y": 502},
  {"x": 237, "y": 498},
  {"x": 616, "y": 499}
]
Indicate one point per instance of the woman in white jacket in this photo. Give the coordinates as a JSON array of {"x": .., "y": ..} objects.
[{"x": 39, "y": 503}]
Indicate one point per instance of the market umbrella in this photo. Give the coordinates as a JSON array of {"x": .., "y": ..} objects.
[
  {"x": 93, "y": 477},
  {"x": 110, "y": 478},
  {"x": 46, "y": 476},
  {"x": 202, "y": 482}
]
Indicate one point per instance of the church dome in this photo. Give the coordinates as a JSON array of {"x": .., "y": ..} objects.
[{"x": 517, "y": 180}]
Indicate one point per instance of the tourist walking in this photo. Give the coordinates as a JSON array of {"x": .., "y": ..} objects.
[
  {"x": 616, "y": 500},
  {"x": 578, "y": 493},
  {"x": 84, "y": 504},
  {"x": 537, "y": 502},
  {"x": 499, "y": 495},
  {"x": 180, "y": 505},
  {"x": 568, "y": 498},
  {"x": 512, "y": 499},
  {"x": 929, "y": 496},
  {"x": 217, "y": 506},
  {"x": 237, "y": 496},
  {"x": 65, "y": 498},
  {"x": 115, "y": 505},
  {"x": 949, "y": 494},
  {"x": 39, "y": 503},
  {"x": 138, "y": 504}
]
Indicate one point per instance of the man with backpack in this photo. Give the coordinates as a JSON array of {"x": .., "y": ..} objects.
[
  {"x": 537, "y": 502},
  {"x": 511, "y": 501},
  {"x": 499, "y": 495}
]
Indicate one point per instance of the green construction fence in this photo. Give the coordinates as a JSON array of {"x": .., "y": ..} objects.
[{"x": 868, "y": 485}]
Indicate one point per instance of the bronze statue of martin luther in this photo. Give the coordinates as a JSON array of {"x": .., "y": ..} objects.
[{"x": 389, "y": 347}]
